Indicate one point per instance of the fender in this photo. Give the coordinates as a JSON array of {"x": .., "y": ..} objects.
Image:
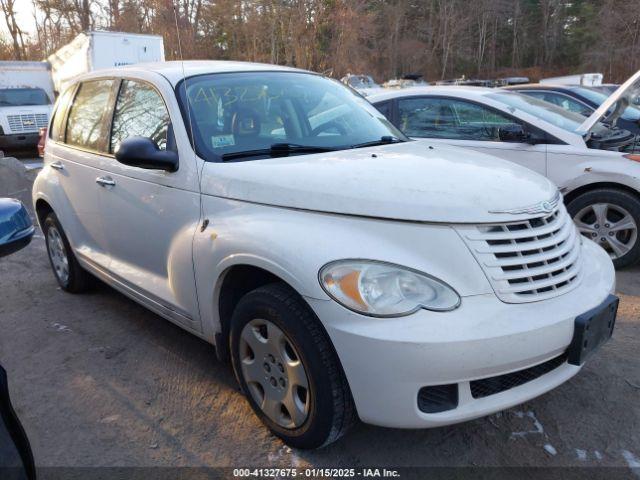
[
  {"x": 594, "y": 175},
  {"x": 294, "y": 245},
  {"x": 38, "y": 192}
]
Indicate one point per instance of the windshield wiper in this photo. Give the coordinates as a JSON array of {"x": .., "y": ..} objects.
[
  {"x": 278, "y": 149},
  {"x": 387, "y": 139}
]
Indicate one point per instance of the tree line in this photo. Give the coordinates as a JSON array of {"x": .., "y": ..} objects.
[{"x": 439, "y": 39}]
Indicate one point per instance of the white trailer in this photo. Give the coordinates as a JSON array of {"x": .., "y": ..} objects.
[
  {"x": 95, "y": 50},
  {"x": 585, "y": 79},
  {"x": 26, "y": 95}
]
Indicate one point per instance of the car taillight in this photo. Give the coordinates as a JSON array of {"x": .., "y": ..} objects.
[{"x": 42, "y": 140}]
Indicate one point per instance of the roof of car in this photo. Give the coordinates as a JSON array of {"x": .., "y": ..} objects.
[
  {"x": 465, "y": 90},
  {"x": 541, "y": 86},
  {"x": 174, "y": 71}
]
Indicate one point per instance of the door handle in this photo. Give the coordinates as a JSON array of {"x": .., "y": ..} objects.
[
  {"x": 105, "y": 181},
  {"x": 57, "y": 165}
]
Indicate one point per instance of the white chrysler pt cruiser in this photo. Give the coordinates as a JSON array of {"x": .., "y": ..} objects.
[{"x": 345, "y": 271}]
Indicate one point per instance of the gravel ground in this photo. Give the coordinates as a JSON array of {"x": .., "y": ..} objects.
[{"x": 99, "y": 381}]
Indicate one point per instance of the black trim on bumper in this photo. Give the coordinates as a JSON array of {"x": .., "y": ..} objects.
[
  {"x": 21, "y": 140},
  {"x": 439, "y": 398},
  {"x": 492, "y": 385}
]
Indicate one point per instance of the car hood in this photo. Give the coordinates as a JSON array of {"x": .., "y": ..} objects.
[
  {"x": 617, "y": 102},
  {"x": 412, "y": 181}
]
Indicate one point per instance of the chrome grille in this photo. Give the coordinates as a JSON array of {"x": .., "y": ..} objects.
[
  {"x": 529, "y": 260},
  {"x": 27, "y": 122}
]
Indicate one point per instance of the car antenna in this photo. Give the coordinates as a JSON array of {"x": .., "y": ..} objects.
[
  {"x": 205, "y": 221},
  {"x": 186, "y": 97}
]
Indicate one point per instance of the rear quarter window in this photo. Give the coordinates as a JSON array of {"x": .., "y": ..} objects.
[
  {"x": 88, "y": 120},
  {"x": 59, "y": 115}
]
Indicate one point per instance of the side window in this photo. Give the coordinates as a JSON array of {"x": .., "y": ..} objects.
[
  {"x": 57, "y": 125},
  {"x": 141, "y": 112},
  {"x": 564, "y": 102},
  {"x": 87, "y": 123},
  {"x": 451, "y": 119},
  {"x": 540, "y": 95},
  {"x": 384, "y": 108},
  {"x": 572, "y": 105}
]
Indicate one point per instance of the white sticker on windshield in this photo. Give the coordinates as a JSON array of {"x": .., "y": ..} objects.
[{"x": 219, "y": 141}]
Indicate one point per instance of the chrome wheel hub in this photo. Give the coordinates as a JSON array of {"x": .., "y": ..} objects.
[
  {"x": 274, "y": 373},
  {"x": 58, "y": 254},
  {"x": 609, "y": 225}
]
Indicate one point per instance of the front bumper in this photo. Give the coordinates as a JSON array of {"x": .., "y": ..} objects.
[
  {"x": 387, "y": 361},
  {"x": 18, "y": 141}
]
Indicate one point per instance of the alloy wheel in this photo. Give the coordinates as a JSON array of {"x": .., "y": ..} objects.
[
  {"x": 274, "y": 373},
  {"x": 609, "y": 225},
  {"x": 58, "y": 254}
]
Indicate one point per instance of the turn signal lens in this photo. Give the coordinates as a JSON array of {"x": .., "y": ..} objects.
[
  {"x": 385, "y": 290},
  {"x": 632, "y": 156}
]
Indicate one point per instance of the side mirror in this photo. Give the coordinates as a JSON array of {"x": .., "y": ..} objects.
[
  {"x": 513, "y": 133},
  {"x": 142, "y": 152},
  {"x": 16, "y": 228}
]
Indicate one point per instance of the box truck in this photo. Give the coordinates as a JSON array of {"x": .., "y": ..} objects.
[
  {"x": 94, "y": 50},
  {"x": 26, "y": 95}
]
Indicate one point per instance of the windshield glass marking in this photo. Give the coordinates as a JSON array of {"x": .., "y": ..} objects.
[{"x": 247, "y": 113}]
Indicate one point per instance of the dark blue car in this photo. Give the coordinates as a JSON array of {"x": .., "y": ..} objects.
[
  {"x": 579, "y": 99},
  {"x": 16, "y": 458},
  {"x": 16, "y": 228}
]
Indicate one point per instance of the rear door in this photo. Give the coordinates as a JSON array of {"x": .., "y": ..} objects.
[
  {"x": 150, "y": 216},
  {"x": 74, "y": 154},
  {"x": 466, "y": 124}
]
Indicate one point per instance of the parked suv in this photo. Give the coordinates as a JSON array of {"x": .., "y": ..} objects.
[{"x": 345, "y": 271}]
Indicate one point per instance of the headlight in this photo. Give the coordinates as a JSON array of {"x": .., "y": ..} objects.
[{"x": 385, "y": 290}]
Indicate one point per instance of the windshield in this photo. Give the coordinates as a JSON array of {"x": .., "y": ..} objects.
[
  {"x": 598, "y": 97},
  {"x": 248, "y": 112},
  {"x": 16, "y": 97},
  {"x": 546, "y": 111}
]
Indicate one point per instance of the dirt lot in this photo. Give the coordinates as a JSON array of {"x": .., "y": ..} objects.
[{"x": 99, "y": 381}]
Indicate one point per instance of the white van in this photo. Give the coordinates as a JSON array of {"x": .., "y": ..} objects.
[
  {"x": 346, "y": 271},
  {"x": 26, "y": 97}
]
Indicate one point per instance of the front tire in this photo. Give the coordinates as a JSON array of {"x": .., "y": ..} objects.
[
  {"x": 611, "y": 218},
  {"x": 288, "y": 369},
  {"x": 70, "y": 275}
]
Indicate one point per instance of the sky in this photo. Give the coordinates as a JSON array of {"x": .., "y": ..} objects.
[{"x": 24, "y": 17}]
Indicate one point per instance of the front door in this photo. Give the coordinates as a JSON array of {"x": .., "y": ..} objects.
[
  {"x": 150, "y": 216},
  {"x": 466, "y": 124}
]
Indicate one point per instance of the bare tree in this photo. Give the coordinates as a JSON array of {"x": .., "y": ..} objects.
[
  {"x": 8, "y": 7},
  {"x": 387, "y": 38}
]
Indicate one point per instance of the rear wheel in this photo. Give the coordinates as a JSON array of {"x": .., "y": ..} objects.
[
  {"x": 288, "y": 370},
  {"x": 610, "y": 218},
  {"x": 70, "y": 275}
]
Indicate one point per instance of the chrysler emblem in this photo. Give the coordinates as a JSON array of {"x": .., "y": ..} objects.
[
  {"x": 27, "y": 123},
  {"x": 542, "y": 207}
]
